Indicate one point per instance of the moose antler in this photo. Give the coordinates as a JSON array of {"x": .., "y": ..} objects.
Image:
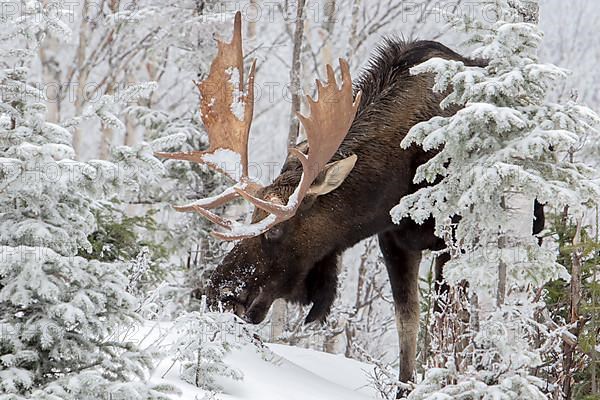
[{"x": 226, "y": 110}]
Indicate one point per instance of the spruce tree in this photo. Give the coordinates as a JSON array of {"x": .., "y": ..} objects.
[
  {"x": 508, "y": 146},
  {"x": 60, "y": 314}
]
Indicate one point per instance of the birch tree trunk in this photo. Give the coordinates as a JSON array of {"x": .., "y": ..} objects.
[
  {"x": 278, "y": 310},
  {"x": 575, "y": 298},
  {"x": 108, "y": 133},
  {"x": 82, "y": 75},
  {"x": 520, "y": 208},
  {"x": 327, "y": 30},
  {"x": 131, "y": 132},
  {"x": 353, "y": 38},
  {"x": 51, "y": 76},
  {"x": 51, "y": 79},
  {"x": 295, "y": 73},
  {"x": 251, "y": 30}
]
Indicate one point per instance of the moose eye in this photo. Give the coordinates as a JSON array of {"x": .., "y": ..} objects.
[{"x": 275, "y": 233}]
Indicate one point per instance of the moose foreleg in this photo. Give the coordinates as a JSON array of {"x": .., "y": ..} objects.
[
  {"x": 407, "y": 323},
  {"x": 403, "y": 270}
]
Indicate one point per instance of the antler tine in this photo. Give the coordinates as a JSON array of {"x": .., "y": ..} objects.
[
  {"x": 211, "y": 202},
  {"x": 330, "y": 75},
  {"x": 212, "y": 217}
]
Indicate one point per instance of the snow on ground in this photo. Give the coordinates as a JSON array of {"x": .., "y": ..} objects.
[{"x": 293, "y": 374}]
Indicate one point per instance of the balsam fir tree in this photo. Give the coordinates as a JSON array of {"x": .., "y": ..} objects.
[
  {"x": 508, "y": 146},
  {"x": 60, "y": 313}
]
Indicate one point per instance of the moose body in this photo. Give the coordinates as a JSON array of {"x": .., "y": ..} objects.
[
  {"x": 334, "y": 190},
  {"x": 298, "y": 259}
]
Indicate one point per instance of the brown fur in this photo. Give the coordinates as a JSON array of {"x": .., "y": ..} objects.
[{"x": 297, "y": 260}]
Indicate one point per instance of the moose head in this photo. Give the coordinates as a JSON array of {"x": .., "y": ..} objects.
[{"x": 278, "y": 254}]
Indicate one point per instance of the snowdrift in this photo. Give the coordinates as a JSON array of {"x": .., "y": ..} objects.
[{"x": 291, "y": 373}]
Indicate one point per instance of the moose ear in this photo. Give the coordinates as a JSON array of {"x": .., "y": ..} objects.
[{"x": 332, "y": 176}]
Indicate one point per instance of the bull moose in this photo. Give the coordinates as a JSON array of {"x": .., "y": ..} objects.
[{"x": 334, "y": 190}]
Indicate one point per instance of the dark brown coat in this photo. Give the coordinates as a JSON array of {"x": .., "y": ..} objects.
[{"x": 297, "y": 260}]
